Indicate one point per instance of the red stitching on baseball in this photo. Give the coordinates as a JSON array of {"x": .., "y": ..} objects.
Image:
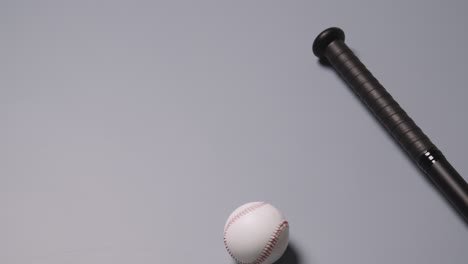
[
  {"x": 234, "y": 219},
  {"x": 242, "y": 213},
  {"x": 271, "y": 243}
]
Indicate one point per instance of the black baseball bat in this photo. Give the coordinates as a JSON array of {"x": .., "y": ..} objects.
[{"x": 329, "y": 45}]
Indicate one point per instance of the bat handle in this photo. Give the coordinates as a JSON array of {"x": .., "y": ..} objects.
[{"x": 330, "y": 45}]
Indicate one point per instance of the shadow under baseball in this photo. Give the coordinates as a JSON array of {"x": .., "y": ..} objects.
[{"x": 290, "y": 256}]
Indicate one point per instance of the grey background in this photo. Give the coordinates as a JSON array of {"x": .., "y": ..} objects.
[{"x": 131, "y": 129}]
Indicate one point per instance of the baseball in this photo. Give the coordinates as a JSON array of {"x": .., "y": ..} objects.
[{"x": 256, "y": 233}]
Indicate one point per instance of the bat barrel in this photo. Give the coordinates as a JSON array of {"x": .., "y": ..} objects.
[{"x": 330, "y": 45}]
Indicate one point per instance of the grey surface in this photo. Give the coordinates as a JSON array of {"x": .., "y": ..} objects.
[{"x": 131, "y": 129}]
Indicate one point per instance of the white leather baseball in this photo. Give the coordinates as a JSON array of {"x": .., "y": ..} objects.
[{"x": 256, "y": 233}]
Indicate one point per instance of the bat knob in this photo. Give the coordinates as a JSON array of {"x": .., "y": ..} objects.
[{"x": 325, "y": 38}]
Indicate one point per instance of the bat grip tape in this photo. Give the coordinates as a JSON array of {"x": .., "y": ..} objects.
[{"x": 378, "y": 100}]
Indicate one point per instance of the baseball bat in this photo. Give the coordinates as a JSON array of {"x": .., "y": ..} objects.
[{"x": 329, "y": 45}]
